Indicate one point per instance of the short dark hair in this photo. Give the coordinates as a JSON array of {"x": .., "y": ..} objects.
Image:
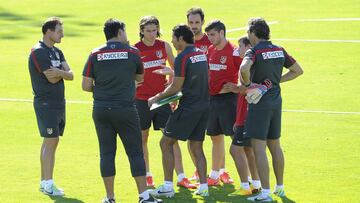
[
  {"x": 194, "y": 11},
  {"x": 244, "y": 40},
  {"x": 147, "y": 20},
  {"x": 260, "y": 28},
  {"x": 50, "y": 24},
  {"x": 185, "y": 32},
  {"x": 111, "y": 28},
  {"x": 217, "y": 25}
]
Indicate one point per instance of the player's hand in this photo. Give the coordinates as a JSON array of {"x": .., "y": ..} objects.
[
  {"x": 256, "y": 91},
  {"x": 173, "y": 105},
  {"x": 164, "y": 71},
  {"x": 53, "y": 72},
  {"x": 152, "y": 100}
]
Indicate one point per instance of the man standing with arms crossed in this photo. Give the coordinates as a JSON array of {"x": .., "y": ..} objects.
[
  {"x": 48, "y": 70},
  {"x": 224, "y": 62},
  {"x": 188, "y": 122},
  {"x": 266, "y": 61},
  {"x": 110, "y": 73},
  {"x": 154, "y": 53}
]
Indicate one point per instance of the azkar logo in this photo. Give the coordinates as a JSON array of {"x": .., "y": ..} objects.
[
  {"x": 203, "y": 48},
  {"x": 159, "y": 54},
  {"x": 223, "y": 59},
  {"x": 112, "y": 56}
]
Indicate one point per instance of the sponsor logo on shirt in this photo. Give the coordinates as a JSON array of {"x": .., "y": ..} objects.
[
  {"x": 159, "y": 54},
  {"x": 198, "y": 58},
  {"x": 112, "y": 56},
  {"x": 217, "y": 67},
  {"x": 151, "y": 64},
  {"x": 223, "y": 59},
  {"x": 273, "y": 54}
]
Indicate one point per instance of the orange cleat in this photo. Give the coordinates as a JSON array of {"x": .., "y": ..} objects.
[
  {"x": 226, "y": 179},
  {"x": 186, "y": 184},
  {"x": 213, "y": 182}
]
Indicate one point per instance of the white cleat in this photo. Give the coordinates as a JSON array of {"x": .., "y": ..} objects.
[{"x": 162, "y": 192}]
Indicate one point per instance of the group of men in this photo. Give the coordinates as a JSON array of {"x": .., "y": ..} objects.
[{"x": 227, "y": 91}]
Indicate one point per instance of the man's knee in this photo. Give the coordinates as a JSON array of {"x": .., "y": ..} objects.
[
  {"x": 137, "y": 164},
  {"x": 196, "y": 148},
  {"x": 107, "y": 164},
  {"x": 167, "y": 142}
]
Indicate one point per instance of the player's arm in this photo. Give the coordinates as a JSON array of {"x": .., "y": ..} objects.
[
  {"x": 54, "y": 74},
  {"x": 88, "y": 76},
  {"x": 87, "y": 84},
  {"x": 245, "y": 71},
  {"x": 294, "y": 71},
  {"x": 174, "y": 88}
]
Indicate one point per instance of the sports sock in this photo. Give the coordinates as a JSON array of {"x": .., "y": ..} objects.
[
  {"x": 256, "y": 184},
  {"x": 214, "y": 174},
  {"x": 145, "y": 194},
  {"x": 168, "y": 185},
  {"x": 181, "y": 176},
  {"x": 148, "y": 174},
  {"x": 245, "y": 185}
]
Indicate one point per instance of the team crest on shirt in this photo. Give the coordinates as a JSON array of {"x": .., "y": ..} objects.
[
  {"x": 112, "y": 46},
  {"x": 159, "y": 54},
  {"x": 223, "y": 59},
  {"x": 203, "y": 48},
  {"x": 49, "y": 131}
]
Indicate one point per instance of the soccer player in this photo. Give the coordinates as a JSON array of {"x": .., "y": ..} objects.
[
  {"x": 195, "y": 20},
  {"x": 266, "y": 61},
  {"x": 109, "y": 73},
  {"x": 48, "y": 70},
  {"x": 224, "y": 61},
  {"x": 188, "y": 122},
  {"x": 240, "y": 149},
  {"x": 154, "y": 54}
]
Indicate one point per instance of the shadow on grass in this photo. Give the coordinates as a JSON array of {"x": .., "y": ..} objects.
[
  {"x": 58, "y": 199},
  {"x": 286, "y": 200}
]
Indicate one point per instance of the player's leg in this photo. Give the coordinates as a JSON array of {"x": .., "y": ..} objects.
[
  {"x": 273, "y": 143},
  {"x": 51, "y": 125},
  {"x": 196, "y": 140},
  {"x": 227, "y": 117},
  {"x": 257, "y": 127},
  {"x": 255, "y": 179},
  {"x": 238, "y": 154},
  {"x": 106, "y": 134}
]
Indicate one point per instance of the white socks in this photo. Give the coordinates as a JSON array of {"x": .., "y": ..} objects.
[
  {"x": 214, "y": 174},
  {"x": 245, "y": 185},
  {"x": 181, "y": 176},
  {"x": 168, "y": 185},
  {"x": 148, "y": 174},
  {"x": 203, "y": 186},
  {"x": 256, "y": 184},
  {"x": 221, "y": 171}
]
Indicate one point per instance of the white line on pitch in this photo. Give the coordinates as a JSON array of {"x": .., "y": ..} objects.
[
  {"x": 244, "y": 28},
  {"x": 310, "y": 40},
  {"x": 328, "y": 19},
  {"x": 285, "y": 110}
]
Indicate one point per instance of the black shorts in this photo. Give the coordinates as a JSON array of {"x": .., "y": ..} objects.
[
  {"x": 239, "y": 137},
  {"x": 51, "y": 121},
  {"x": 123, "y": 121},
  {"x": 263, "y": 124},
  {"x": 158, "y": 116},
  {"x": 185, "y": 124},
  {"x": 222, "y": 114}
]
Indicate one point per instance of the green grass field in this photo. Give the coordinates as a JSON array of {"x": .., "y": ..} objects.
[{"x": 322, "y": 150}]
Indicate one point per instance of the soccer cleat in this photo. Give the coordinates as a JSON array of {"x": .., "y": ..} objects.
[
  {"x": 150, "y": 181},
  {"x": 244, "y": 191},
  {"x": 108, "y": 200},
  {"x": 41, "y": 188},
  {"x": 226, "y": 179},
  {"x": 162, "y": 192},
  {"x": 52, "y": 190},
  {"x": 151, "y": 199},
  {"x": 213, "y": 182},
  {"x": 255, "y": 190},
  {"x": 195, "y": 177},
  {"x": 186, "y": 184},
  {"x": 260, "y": 198},
  {"x": 203, "y": 193},
  {"x": 279, "y": 192}
]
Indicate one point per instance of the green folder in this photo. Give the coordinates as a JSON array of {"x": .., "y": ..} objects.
[{"x": 166, "y": 100}]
